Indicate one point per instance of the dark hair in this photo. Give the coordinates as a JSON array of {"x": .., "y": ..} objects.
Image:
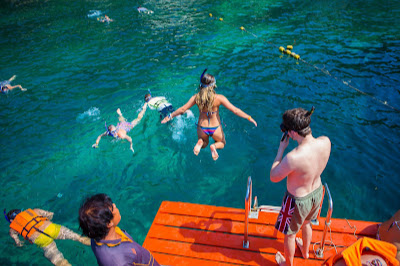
[
  {"x": 12, "y": 214},
  {"x": 207, "y": 79},
  {"x": 298, "y": 120},
  {"x": 148, "y": 95},
  {"x": 94, "y": 216}
]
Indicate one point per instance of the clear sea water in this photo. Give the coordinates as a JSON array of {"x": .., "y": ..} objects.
[{"x": 78, "y": 71}]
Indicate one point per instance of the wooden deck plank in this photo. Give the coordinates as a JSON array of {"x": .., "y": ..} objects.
[
  {"x": 218, "y": 239},
  {"x": 225, "y": 255},
  {"x": 233, "y": 227},
  {"x": 337, "y": 225}
]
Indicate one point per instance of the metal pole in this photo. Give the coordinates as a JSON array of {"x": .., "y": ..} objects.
[
  {"x": 247, "y": 207},
  {"x": 320, "y": 250}
]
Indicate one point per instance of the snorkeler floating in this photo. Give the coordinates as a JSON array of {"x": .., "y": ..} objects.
[
  {"x": 35, "y": 226},
  {"x": 120, "y": 131},
  {"x": 161, "y": 105},
  {"x": 209, "y": 124},
  {"x": 144, "y": 10},
  {"x": 105, "y": 19},
  {"x": 5, "y": 86}
]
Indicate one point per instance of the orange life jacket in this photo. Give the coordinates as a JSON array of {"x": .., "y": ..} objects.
[
  {"x": 27, "y": 222},
  {"x": 352, "y": 255}
]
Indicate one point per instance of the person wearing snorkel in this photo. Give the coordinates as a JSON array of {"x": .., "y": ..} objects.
[
  {"x": 121, "y": 130},
  {"x": 35, "y": 225},
  {"x": 303, "y": 167},
  {"x": 161, "y": 104},
  {"x": 105, "y": 19},
  {"x": 209, "y": 124},
  {"x": 5, "y": 85}
]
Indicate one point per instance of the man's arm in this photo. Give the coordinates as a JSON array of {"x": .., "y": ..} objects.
[
  {"x": 180, "y": 110},
  {"x": 47, "y": 214},
  {"x": 281, "y": 168},
  {"x": 14, "y": 235},
  {"x": 96, "y": 145}
]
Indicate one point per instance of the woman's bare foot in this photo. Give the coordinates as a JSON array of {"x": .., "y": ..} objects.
[
  {"x": 198, "y": 146},
  {"x": 119, "y": 112},
  {"x": 214, "y": 152},
  {"x": 280, "y": 259},
  {"x": 299, "y": 243}
]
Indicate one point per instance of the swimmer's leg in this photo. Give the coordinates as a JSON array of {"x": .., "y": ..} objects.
[
  {"x": 120, "y": 118},
  {"x": 54, "y": 255},
  {"x": 219, "y": 138},
  {"x": 16, "y": 86},
  {"x": 202, "y": 141},
  {"x": 12, "y": 78},
  {"x": 66, "y": 233}
]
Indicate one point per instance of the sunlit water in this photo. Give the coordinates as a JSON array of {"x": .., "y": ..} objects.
[{"x": 78, "y": 71}]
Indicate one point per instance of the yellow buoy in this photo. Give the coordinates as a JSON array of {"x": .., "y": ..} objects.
[
  {"x": 282, "y": 49},
  {"x": 290, "y": 47},
  {"x": 195, "y": 9},
  {"x": 210, "y": 15},
  {"x": 242, "y": 28},
  {"x": 297, "y": 56},
  {"x": 288, "y": 52},
  {"x": 221, "y": 19}
]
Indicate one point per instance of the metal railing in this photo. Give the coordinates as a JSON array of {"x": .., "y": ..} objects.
[
  {"x": 247, "y": 210},
  {"x": 320, "y": 250}
]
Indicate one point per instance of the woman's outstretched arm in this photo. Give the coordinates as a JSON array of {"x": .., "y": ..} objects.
[
  {"x": 180, "y": 110},
  {"x": 225, "y": 102}
]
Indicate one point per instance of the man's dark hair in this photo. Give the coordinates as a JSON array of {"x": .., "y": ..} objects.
[
  {"x": 298, "y": 120},
  {"x": 94, "y": 216},
  {"x": 147, "y": 97}
]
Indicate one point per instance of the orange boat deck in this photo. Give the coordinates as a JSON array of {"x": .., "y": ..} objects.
[{"x": 194, "y": 234}]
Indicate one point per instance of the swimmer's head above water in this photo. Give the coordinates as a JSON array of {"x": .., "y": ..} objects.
[
  {"x": 147, "y": 97},
  {"x": 10, "y": 216},
  {"x": 111, "y": 130}
]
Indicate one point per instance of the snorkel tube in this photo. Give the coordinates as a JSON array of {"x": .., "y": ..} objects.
[{"x": 5, "y": 216}]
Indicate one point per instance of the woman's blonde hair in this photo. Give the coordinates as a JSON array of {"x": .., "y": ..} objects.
[{"x": 206, "y": 95}]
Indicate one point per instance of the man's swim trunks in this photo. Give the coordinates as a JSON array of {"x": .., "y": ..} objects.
[
  {"x": 166, "y": 111},
  {"x": 295, "y": 210},
  {"x": 52, "y": 230},
  {"x": 123, "y": 251}
]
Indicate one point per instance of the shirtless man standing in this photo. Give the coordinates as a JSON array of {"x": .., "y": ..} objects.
[{"x": 303, "y": 167}]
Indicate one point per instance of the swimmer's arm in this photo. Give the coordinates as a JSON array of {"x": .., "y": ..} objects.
[
  {"x": 14, "y": 235},
  {"x": 140, "y": 115},
  {"x": 130, "y": 141},
  {"x": 181, "y": 110},
  {"x": 47, "y": 214},
  {"x": 225, "y": 102},
  {"x": 98, "y": 140}
]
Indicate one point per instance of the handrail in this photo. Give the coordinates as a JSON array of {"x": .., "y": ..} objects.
[
  {"x": 320, "y": 250},
  {"x": 247, "y": 208}
]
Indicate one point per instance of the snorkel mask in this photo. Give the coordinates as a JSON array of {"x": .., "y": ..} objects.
[
  {"x": 148, "y": 98},
  {"x": 110, "y": 133},
  {"x": 202, "y": 85},
  {"x": 285, "y": 129},
  {"x": 12, "y": 215}
]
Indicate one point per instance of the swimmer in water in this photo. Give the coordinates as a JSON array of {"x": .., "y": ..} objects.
[
  {"x": 120, "y": 131},
  {"x": 36, "y": 226},
  {"x": 5, "y": 85},
  {"x": 144, "y": 10},
  {"x": 105, "y": 19},
  {"x": 161, "y": 105},
  {"x": 209, "y": 124}
]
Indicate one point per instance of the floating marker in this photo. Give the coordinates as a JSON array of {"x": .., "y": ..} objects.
[
  {"x": 195, "y": 9},
  {"x": 290, "y": 47},
  {"x": 288, "y": 52},
  {"x": 242, "y": 28},
  {"x": 210, "y": 15},
  {"x": 282, "y": 49},
  {"x": 221, "y": 19},
  {"x": 296, "y": 56}
]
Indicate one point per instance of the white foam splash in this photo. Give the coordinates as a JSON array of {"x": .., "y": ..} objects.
[
  {"x": 181, "y": 123},
  {"x": 94, "y": 13},
  {"x": 92, "y": 114}
]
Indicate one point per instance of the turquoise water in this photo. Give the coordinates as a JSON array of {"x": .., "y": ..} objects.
[{"x": 79, "y": 71}]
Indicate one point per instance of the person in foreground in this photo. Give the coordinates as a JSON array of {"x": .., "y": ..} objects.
[
  {"x": 35, "y": 226},
  {"x": 389, "y": 231},
  {"x": 99, "y": 218},
  {"x": 303, "y": 167},
  {"x": 209, "y": 124},
  {"x": 5, "y": 85},
  {"x": 121, "y": 130}
]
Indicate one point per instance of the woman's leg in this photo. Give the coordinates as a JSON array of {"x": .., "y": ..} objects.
[
  {"x": 202, "y": 141},
  {"x": 66, "y": 233},
  {"x": 219, "y": 138},
  {"x": 54, "y": 255}
]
